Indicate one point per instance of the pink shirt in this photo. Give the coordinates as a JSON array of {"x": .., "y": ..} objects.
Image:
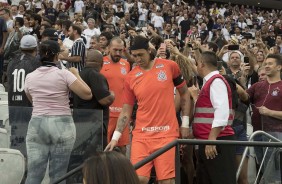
[{"x": 49, "y": 89}]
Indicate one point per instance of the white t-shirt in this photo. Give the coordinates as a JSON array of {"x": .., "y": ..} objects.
[
  {"x": 143, "y": 14},
  {"x": 158, "y": 21},
  {"x": 88, "y": 33},
  {"x": 127, "y": 7},
  {"x": 78, "y": 5}
]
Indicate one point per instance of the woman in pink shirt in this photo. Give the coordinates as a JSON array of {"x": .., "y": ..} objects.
[{"x": 51, "y": 132}]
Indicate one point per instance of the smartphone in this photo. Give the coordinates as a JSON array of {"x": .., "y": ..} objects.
[
  {"x": 163, "y": 45},
  {"x": 233, "y": 47},
  {"x": 246, "y": 60},
  {"x": 219, "y": 65}
]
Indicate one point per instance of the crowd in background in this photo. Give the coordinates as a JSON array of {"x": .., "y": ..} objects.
[{"x": 241, "y": 36}]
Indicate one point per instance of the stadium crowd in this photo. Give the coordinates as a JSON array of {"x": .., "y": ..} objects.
[{"x": 159, "y": 70}]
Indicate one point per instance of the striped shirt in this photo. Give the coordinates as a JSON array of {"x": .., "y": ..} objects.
[{"x": 78, "y": 49}]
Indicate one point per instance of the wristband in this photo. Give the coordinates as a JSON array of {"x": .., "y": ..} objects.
[
  {"x": 185, "y": 121},
  {"x": 116, "y": 135}
]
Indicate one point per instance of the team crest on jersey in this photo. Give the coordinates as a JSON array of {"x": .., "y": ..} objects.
[
  {"x": 275, "y": 92},
  {"x": 106, "y": 62},
  {"x": 162, "y": 76},
  {"x": 123, "y": 71},
  {"x": 122, "y": 63},
  {"x": 160, "y": 66},
  {"x": 138, "y": 74}
]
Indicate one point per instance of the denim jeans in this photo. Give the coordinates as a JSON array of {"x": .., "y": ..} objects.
[{"x": 49, "y": 138}]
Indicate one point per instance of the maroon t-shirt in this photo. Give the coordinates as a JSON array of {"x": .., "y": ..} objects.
[{"x": 270, "y": 96}]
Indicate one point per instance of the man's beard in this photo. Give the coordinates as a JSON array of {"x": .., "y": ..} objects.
[{"x": 115, "y": 59}]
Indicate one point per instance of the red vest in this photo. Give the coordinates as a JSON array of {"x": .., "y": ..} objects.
[{"x": 204, "y": 112}]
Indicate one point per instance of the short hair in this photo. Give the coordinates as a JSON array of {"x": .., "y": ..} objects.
[
  {"x": 59, "y": 22},
  {"x": 117, "y": 39},
  {"x": 15, "y": 6},
  {"x": 20, "y": 20},
  {"x": 67, "y": 24},
  {"x": 277, "y": 57},
  {"x": 36, "y": 17},
  {"x": 6, "y": 10},
  {"x": 77, "y": 29},
  {"x": 210, "y": 58},
  {"x": 213, "y": 46},
  {"x": 105, "y": 167},
  {"x": 91, "y": 19},
  {"x": 107, "y": 35}
]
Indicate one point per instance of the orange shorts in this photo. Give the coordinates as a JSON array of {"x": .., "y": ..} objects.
[
  {"x": 164, "y": 164},
  {"x": 124, "y": 139}
]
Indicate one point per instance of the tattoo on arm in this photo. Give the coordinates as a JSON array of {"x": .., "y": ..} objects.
[{"x": 122, "y": 123}]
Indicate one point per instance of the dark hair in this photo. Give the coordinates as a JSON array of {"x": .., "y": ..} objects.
[
  {"x": 67, "y": 24},
  {"x": 15, "y": 6},
  {"x": 36, "y": 17},
  {"x": 108, "y": 168},
  {"x": 59, "y": 22},
  {"x": 20, "y": 20},
  {"x": 77, "y": 29},
  {"x": 6, "y": 10},
  {"x": 210, "y": 58},
  {"x": 213, "y": 46},
  {"x": 277, "y": 57},
  {"x": 48, "y": 50},
  {"x": 108, "y": 35}
]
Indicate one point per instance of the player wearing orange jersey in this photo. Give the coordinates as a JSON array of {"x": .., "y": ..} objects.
[
  {"x": 151, "y": 83},
  {"x": 115, "y": 69}
]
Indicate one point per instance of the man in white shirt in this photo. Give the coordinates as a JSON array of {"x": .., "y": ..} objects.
[
  {"x": 14, "y": 12},
  {"x": 158, "y": 21},
  {"x": 91, "y": 31},
  {"x": 212, "y": 119},
  {"x": 143, "y": 13},
  {"x": 78, "y": 6}
]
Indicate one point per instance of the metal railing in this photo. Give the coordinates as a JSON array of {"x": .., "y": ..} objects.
[
  {"x": 247, "y": 149},
  {"x": 176, "y": 143}
]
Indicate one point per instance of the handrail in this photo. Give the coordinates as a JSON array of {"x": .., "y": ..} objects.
[
  {"x": 187, "y": 142},
  {"x": 253, "y": 135}
]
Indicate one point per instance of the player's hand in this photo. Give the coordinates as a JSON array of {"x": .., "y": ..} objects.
[
  {"x": 184, "y": 132},
  {"x": 264, "y": 111},
  {"x": 111, "y": 145},
  {"x": 210, "y": 151}
]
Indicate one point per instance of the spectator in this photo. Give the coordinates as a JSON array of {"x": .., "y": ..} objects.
[
  {"x": 51, "y": 128},
  {"x": 51, "y": 12},
  {"x": 77, "y": 54},
  {"x": 91, "y": 31},
  {"x": 34, "y": 23},
  {"x": 110, "y": 163},
  {"x": 3, "y": 39},
  {"x": 266, "y": 105},
  {"x": 78, "y": 6},
  {"x": 5, "y": 14},
  {"x": 20, "y": 65},
  {"x": 14, "y": 12}
]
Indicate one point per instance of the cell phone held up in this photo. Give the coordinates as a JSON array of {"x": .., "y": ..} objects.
[
  {"x": 246, "y": 60},
  {"x": 233, "y": 47}
]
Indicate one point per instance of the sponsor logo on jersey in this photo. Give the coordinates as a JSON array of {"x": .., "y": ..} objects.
[
  {"x": 115, "y": 109},
  {"x": 162, "y": 76},
  {"x": 138, "y": 74},
  {"x": 123, "y": 71},
  {"x": 122, "y": 63},
  {"x": 275, "y": 92},
  {"x": 156, "y": 129},
  {"x": 160, "y": 66},
  {"x": 107, "y": 62}
]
